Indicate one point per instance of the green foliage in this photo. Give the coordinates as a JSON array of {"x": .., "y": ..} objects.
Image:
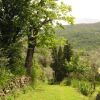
[
  {"x": 43, "y": 20},
  {"x": 8, "y": 72},
  {"x": 41, "y": 65},
  {"x": 68, "y": 51},
  {"x": 16, "y": 58},
  {"x": 43, "y": 56},
  {"x": 13, "y": 18},
  {"x": 82, "y": 36},
  {"x": 61, "y": 56},
  {"x": 13, "y": 15},
  {"x": 86, "y": 88},
  {"x": 78, "y": 67},
  {"x": 33, "y": 19},
  {"x": 3, "y": 59},
  {"x": 57, "y": 64},
  {"x": 37, "y": 73},
  {"x": 5, "y": 76}
]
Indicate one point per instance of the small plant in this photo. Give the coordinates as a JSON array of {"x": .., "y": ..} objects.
[{"x": 85, "y": 88}]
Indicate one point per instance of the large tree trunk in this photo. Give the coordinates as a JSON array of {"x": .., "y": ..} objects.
[
  {"x": 30, "y": 52},
  {"x": 29, "y": 57}
]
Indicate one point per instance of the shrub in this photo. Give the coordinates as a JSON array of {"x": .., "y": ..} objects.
[
  {"x": 3, "y": 59},
  {"x": 43, "y": 56},
  {"x": 5, "y": 76},
  {"x": 85, "y": 88},
  {"x": 20, "y": 70},
  {"x": 37, "y": 72},
  {"x": 49, "y": 75},
  {"x": 41, "y": 67},
  {"x": 16, "y": 58}
]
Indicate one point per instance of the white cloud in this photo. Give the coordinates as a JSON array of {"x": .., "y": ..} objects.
[{"x": 89, "y": 9}]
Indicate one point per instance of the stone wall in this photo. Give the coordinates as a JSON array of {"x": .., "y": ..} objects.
[{"x": 15, "y": 84}]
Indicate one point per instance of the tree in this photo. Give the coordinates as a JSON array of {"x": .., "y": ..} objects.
[
  {"x": 13, "y": 19},
  {"x": 61, "y": 69},
  {"x": 61, "y": 58},
  {"x": 45, "y": 14},
  {"x": 36, "y": 18},
  {"x": 13, "y": 15},
  {"x": 68, "y": 51},
  {"x": 58, "y": 64}
]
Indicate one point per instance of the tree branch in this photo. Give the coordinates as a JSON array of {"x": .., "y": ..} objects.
[{"x": 43, "y": 23}]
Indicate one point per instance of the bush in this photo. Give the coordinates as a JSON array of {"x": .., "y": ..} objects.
[
  {"x": 3, "y": 59},
  {"x": 41, "y": 67},
  {"x": 16, "y": 58},
  {"x": 85, "y": 88},
  {"x": 5, "y": 76},
  {"x": 37, "y": 72},
  {"x": 20, "y": 70},
  {"x": 49, "y": 75},
  {"x": 43, "y": 56}
]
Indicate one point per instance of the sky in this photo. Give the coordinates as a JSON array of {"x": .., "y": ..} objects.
[{"x": 85, "y": 10}]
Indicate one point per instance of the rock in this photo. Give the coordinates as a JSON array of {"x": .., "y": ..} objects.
[
  {"x": 2, "y": 93},
  {"x": 7, "y": 91},
  {"x": 22, "y": 80},
  {"x": 14, "y": 84}
]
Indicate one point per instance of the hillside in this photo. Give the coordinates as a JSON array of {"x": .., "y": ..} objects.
[{"x": 82, "y": 36}]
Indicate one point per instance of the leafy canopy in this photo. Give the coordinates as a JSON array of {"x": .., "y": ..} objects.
[
  {"x": 45, "y": 17},
  {"x": 40, "y": 16}
]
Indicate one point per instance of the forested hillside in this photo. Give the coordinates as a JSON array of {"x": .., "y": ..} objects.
[{"x": 83, "y": 36}]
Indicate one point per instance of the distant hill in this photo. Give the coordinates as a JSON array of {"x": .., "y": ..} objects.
[
  {"x": 86, "y": 20},
  {"x": 82, "y": 36}
]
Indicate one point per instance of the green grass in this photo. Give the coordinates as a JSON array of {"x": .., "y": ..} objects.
[{"x": 50, "y": 92}]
